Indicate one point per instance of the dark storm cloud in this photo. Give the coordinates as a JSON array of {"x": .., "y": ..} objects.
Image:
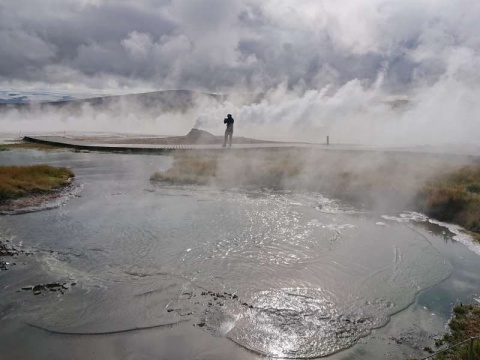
[{"x": 216, "y": 45}]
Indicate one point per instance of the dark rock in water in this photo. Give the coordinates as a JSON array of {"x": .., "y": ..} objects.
[
  {"x": 54, "y": 287},
  {"x": 428, "y": 349},
  {"x": 6, "y": 250},
  {"x": 10, "y": 251},
  {"x": 37, "y": 289}
]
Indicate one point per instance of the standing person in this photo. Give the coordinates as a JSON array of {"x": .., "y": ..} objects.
[{"x": 229, "y": 130}]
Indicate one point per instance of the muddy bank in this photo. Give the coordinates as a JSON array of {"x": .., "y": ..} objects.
[{"x": 38, "y": 201}]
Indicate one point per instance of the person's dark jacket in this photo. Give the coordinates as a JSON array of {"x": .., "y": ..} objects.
[{"x": 229, "y": 121}]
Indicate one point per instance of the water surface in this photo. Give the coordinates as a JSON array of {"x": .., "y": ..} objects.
[{"x": 199, "y": 272}]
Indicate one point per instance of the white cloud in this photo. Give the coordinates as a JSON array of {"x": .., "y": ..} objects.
[
  {"x": 325, "y": 65},
  {"x": 242, "y": 42},
  {"x": 138, "y": 45}
]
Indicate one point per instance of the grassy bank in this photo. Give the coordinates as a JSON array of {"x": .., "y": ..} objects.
[
  {"x": 454, "y": 197},
  {"x": 464, "y": 325},
  {"x": 19, "y": 181}
]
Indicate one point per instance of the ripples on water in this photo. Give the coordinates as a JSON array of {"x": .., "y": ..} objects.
[
  {"x": 332, "y": 275},
  {"x": 285, "y": 274}
]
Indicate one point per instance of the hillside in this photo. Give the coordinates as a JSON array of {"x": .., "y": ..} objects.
[{"x": 169, "y": 100}]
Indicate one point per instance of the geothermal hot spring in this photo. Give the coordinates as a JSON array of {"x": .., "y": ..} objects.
[{"x": 193, "y": 272}]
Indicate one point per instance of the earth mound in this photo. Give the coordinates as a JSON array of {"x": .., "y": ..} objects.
[{"x": 197, "y": 136}]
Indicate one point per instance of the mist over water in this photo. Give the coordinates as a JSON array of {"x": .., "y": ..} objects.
[
  {"x": 442, "y": 115},
  {"x": 283, "y": 273}
]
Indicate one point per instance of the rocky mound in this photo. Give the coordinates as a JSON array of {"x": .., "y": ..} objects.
[{"x": 197, "y": 136}]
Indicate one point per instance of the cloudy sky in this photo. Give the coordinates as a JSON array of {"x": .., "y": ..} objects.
[
  {"x": 217, "y": 45},
  {"x": 326, "y": 64}
]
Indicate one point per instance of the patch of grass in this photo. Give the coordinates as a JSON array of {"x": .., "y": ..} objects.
[
  {"x": 4, "y": 148},
  {"x": 238, "y": 170},
  {"x": 464, "y": 325},
  {"x": 454, "y": 198},
  {"x": 19, "y": 181},
  {"x": 189, "y": 169}
]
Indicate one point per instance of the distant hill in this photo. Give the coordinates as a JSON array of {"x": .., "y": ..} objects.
[
  {"x": 14, "y": 100},
  {"x": 158, "y": 101},
  {"x": 168, "y": 100},
  {"x": 36, "y": 96}
]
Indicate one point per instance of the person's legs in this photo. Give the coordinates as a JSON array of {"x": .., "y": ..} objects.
[
  {"x": 230, "y": 134},
  {"x": 225, "y": 141}
]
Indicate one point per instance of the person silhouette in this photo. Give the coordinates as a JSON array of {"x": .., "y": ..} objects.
[{"x": 229, "y": 130}]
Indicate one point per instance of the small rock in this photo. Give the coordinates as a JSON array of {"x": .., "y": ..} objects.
[{"x": 428, "y": 349}]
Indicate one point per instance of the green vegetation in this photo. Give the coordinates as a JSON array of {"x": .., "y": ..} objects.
[
  {"x": 19, "y": 181},
  {"x": 230, "y": 170},
  {"x": 454, "y": 198},
  {"x": 189, "y": 169},
  {"x": 464, "y": 325}
]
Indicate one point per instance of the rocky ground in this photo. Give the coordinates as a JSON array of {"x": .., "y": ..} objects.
[{"x": 9, "y": 254}]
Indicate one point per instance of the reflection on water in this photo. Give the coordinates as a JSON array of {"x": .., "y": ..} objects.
[{"x": 285, "y": 274}]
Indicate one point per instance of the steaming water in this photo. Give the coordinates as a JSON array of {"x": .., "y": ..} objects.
[{"x": 192, "y": 271}]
